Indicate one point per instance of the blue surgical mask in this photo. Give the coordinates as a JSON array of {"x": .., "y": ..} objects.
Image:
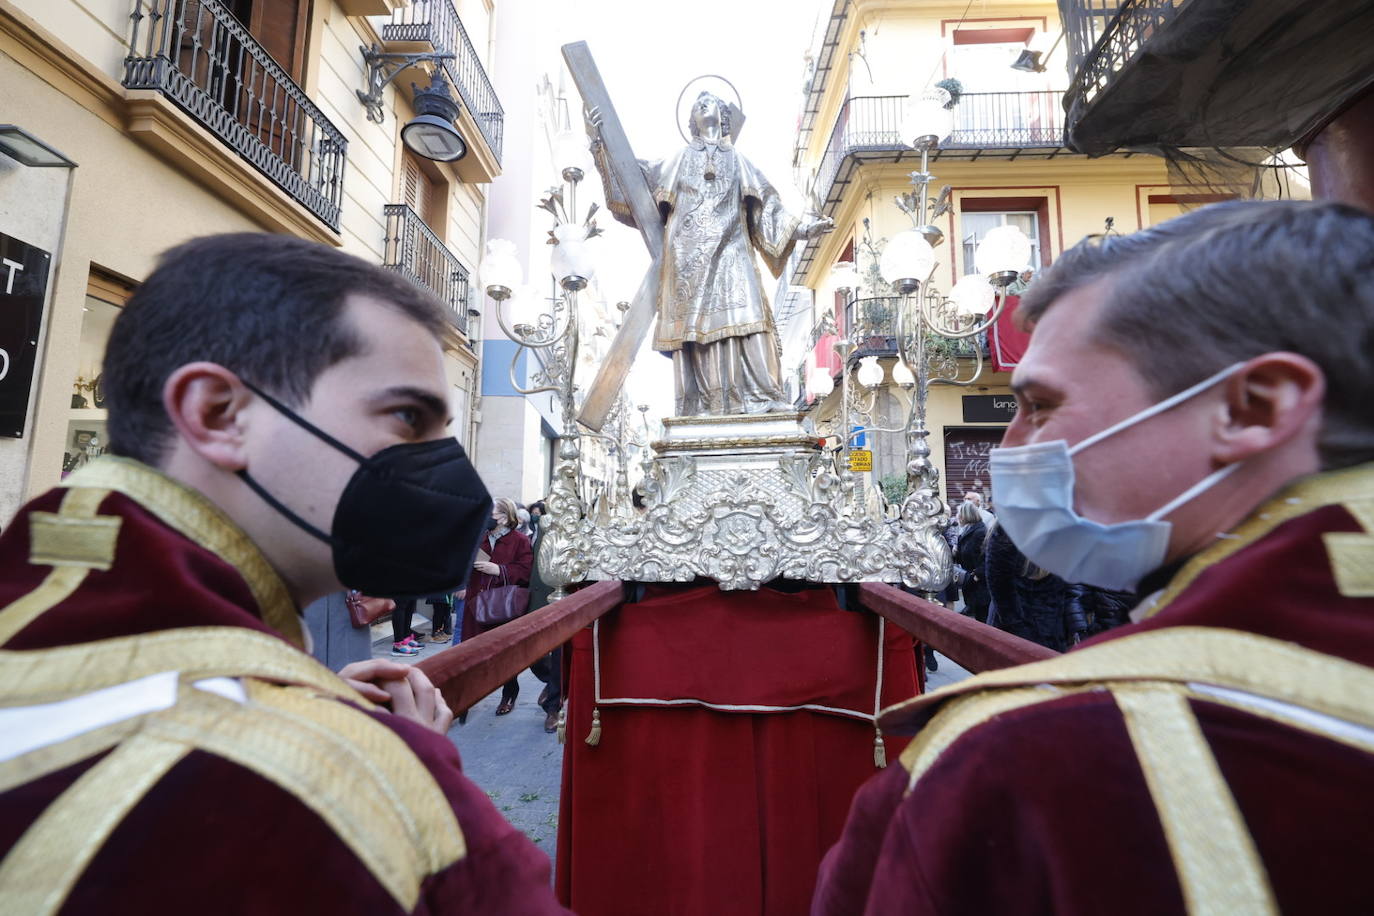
[{"x": 1032, "y": 489}]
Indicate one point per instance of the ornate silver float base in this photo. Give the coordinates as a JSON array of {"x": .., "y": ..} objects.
[{"x": 744, "y": 500}]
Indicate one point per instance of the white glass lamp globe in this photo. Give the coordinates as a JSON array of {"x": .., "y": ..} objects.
[
  {"x": 973, "y": 295},
  {"x": 907, "y": 261},
  {"x": 901, "y": 374},
  {"x": 500, "y": 271},
  {"x": 870, "y": 374},
  {"x": 1003, "y": 250},
  {"x": 572, "y": 259},
  {"x": 844, "y": 276},
  {"x": 820, "y": 383},
  {"x": 925, "y": 120}
]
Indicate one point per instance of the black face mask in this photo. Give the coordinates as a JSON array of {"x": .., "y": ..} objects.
[{"x": 408, "y": 521}]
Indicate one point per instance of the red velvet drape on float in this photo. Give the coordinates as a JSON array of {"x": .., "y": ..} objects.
[
  {"x": 698, "y": 809},
  {"x": 1007, "y": 342}
]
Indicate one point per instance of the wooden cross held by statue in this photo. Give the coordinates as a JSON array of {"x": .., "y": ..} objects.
[{"x": 610, "y": 378}]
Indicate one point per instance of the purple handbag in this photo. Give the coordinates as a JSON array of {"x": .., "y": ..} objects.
[{"x": 501, "y": 604}]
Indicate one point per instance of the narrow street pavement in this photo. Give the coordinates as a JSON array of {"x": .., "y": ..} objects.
[{"x": 949, "y": 672}]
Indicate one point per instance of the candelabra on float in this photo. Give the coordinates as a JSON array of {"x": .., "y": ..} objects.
[
  {"x": 552, "y": 334},
  {"x": 923, "y": 316}
]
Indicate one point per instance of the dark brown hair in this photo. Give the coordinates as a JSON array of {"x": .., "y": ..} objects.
[
  {"x": 267, "y": 307},
  {"x": 1229, "y": 282}
]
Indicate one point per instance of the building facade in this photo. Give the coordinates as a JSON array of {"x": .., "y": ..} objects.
[
  {"x": 1004, "y": 163},
  {"x": 180, "y": 118},
  {"x": 520, "y": 431}
]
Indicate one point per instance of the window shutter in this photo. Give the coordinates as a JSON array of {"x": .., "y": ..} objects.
[
  {"x": 418, "y": 191},
  {"x": 410, "y": 183}
]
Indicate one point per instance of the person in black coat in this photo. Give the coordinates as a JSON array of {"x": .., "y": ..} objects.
[
  {"x": 1093, "y": 610},
  {"x": 968, "y": 553},
  {"x": 1026, "y": 600}
]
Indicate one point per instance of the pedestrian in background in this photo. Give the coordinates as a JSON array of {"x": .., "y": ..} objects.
[
  {"x": 405, "y": 642},
  {"x": 537, "y": 513},
  {"x": 334, "y": 640},
  {"x": 968, "y": 553},
  {"x": 976, "y": 500},
  {"x": 441, "y": 617},
  {"x": 509, "y": 560}
]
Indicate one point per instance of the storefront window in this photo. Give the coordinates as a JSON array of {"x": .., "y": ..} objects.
[{"x": 86, "y": 436}]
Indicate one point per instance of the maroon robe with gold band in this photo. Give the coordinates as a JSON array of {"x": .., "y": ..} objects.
[
  {"x": 1216, "y": 757},
  {"x": 165, "y": 746}
]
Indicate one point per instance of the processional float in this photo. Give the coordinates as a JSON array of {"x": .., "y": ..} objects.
[{"x": 714, "y": 686}]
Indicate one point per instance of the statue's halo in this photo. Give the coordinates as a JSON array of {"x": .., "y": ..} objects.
[{"x": 736, "y": 112}]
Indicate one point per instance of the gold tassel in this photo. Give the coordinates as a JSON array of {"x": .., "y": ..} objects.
[
  {"x": 594, "y": 736},
  {"x": 563, "y": 723},
  {"x": 879, "y": 751}
]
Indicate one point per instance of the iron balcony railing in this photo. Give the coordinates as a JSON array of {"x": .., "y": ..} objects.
[
  {"x": 875, "y": 319},
  {"x": 437, "y": 22},
  {"x": 201, "y": 57},
  {"x": 1104, "y": 36},
  {"x": 982, "y": 120},
  {"x": 869, "y": 129},
  {"x": 418, "y": 254}
]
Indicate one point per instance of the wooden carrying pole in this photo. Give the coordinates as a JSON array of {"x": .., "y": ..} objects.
[
  {"x": 976, "y": 646},
  {"x": 477, "y": 666}
]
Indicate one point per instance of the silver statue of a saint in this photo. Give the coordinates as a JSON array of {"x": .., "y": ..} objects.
[{"x": 713, "y": 314}]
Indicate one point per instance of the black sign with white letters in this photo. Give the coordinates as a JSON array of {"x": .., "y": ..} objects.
[
  {"x": 23, "y": 283},
  {"x": 989, "y": 408}
]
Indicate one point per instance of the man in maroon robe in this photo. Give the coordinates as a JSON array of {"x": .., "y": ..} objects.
[
  {"x": 165, "y": 745},
  {"x": 1216, "y": 756}
]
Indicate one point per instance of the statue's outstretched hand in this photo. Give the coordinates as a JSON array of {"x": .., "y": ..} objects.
[{"x": 811, "y": 228}]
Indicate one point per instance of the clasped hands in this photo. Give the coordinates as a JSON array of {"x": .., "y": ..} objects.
[{"x": 405, "y": 689}]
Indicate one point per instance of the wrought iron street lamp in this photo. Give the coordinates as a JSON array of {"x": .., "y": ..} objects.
[
  {"x": 924, "y": 314},
  {"x": 431, "y": 132}
]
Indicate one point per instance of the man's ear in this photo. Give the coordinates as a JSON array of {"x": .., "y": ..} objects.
[
  {"x": 1274, "y": 399},
  {"x": 206, "y": 403}
]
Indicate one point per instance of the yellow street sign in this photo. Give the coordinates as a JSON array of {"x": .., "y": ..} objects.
[{"x": 860, "y": 459}]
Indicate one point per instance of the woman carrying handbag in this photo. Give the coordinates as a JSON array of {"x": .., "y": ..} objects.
[{"x": 500, "y": 576}]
